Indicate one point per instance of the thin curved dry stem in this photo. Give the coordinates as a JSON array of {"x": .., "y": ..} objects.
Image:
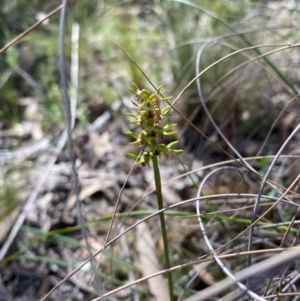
[
  {"x": 263, "y": 215},
  {"x": 201, "y": 73},
  {"x": 290, "y": 225},
  {"x": 285, "y": 295},
  {"x": 207, "y": 112},
  {"x": 263, "y": 185},
  {"x": 269, "y": 264},
  {"x": 31, "y": 28},
  {"x": 283, "y": 84},
  {"x": 273, "y": 125},
  {"x": 230, "y": 252},
  {"x": 286, "y": 46},
  {"x": 217, "y": 83},
  {"x": 216, "y": 39},
  {"x": 134, "y": 62},
  {"x": 225, "y": 139},
  {"x": 232, "y": 148},
  {"x": 280, "y": 281},
  {"x": 245, "y": 39},
  {"x": 143, "y": 220},
  {"x": 212, "y": 251},
  {"x": 245, "y": 164},
  {"x": 202, "y": 168},
  {"x": 290, "y": 283},
  {"x": 274, "y": 262},
  {"x": 225, "y": 75},
  {"x": 230, "y": 145}
]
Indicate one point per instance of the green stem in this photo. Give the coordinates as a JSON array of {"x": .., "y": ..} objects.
[{"x": 162, "y": 223}]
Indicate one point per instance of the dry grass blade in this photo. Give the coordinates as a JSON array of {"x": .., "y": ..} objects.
[
  {"x": 178, "y": 268},
  {"x": 257, "y": 202},
  {"x": 31, "y": 28},
  {"x": 207, "y": 241}
]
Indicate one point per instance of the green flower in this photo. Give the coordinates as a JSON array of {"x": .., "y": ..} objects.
[{"x": 149, "y": 118}]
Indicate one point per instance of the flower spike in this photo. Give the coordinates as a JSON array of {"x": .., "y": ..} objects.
[{"x": 149, "y": 118}]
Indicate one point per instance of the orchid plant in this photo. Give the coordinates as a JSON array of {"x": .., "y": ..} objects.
[{"x": 151, "y": 138}]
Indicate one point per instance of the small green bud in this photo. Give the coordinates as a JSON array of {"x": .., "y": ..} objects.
[
  {"x": 166, "y": 110},
  {"x": 159, "y": 88},
  {"x": 169, "y": 126},
  {"x": 169, "y": 133},
  {"x": 176, "y": 151},
  {"x": 134, "y": 121},
  {"x": 166, "y": 98},
  {"x": 141, "y": 161},
  {"x": 135, "y": 103},
  {"x": 133, "y": 156},
  {"x": 170, "y": 145},
  {"x": 131, "y": 90},
  {"x": 137, "y": 142},
  {"x": 136, "y": 87},
  {"x": 131, "y": 114},
  {"x": 132, "y": 134}
]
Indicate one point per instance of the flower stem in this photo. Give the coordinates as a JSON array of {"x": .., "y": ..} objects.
[{"x": 162, "y": 223}]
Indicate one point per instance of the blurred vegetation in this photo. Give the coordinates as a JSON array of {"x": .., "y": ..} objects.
[
  {"x": 8, "y": 196},
  {"x": 163, "y": 37},
  {"x": 152, "y": 29}
]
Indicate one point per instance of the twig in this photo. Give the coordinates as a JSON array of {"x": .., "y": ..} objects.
[
  {"x": 265, "y": 179},
  {"x": 70, "y": 122},
  {"x": 31, "y": 28},
  {"x": 212, "y": 251},
  {"x": 108, "y": 243}
]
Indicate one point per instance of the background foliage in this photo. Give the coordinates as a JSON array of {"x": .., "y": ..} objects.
[{"x": 255, "y": 104}]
